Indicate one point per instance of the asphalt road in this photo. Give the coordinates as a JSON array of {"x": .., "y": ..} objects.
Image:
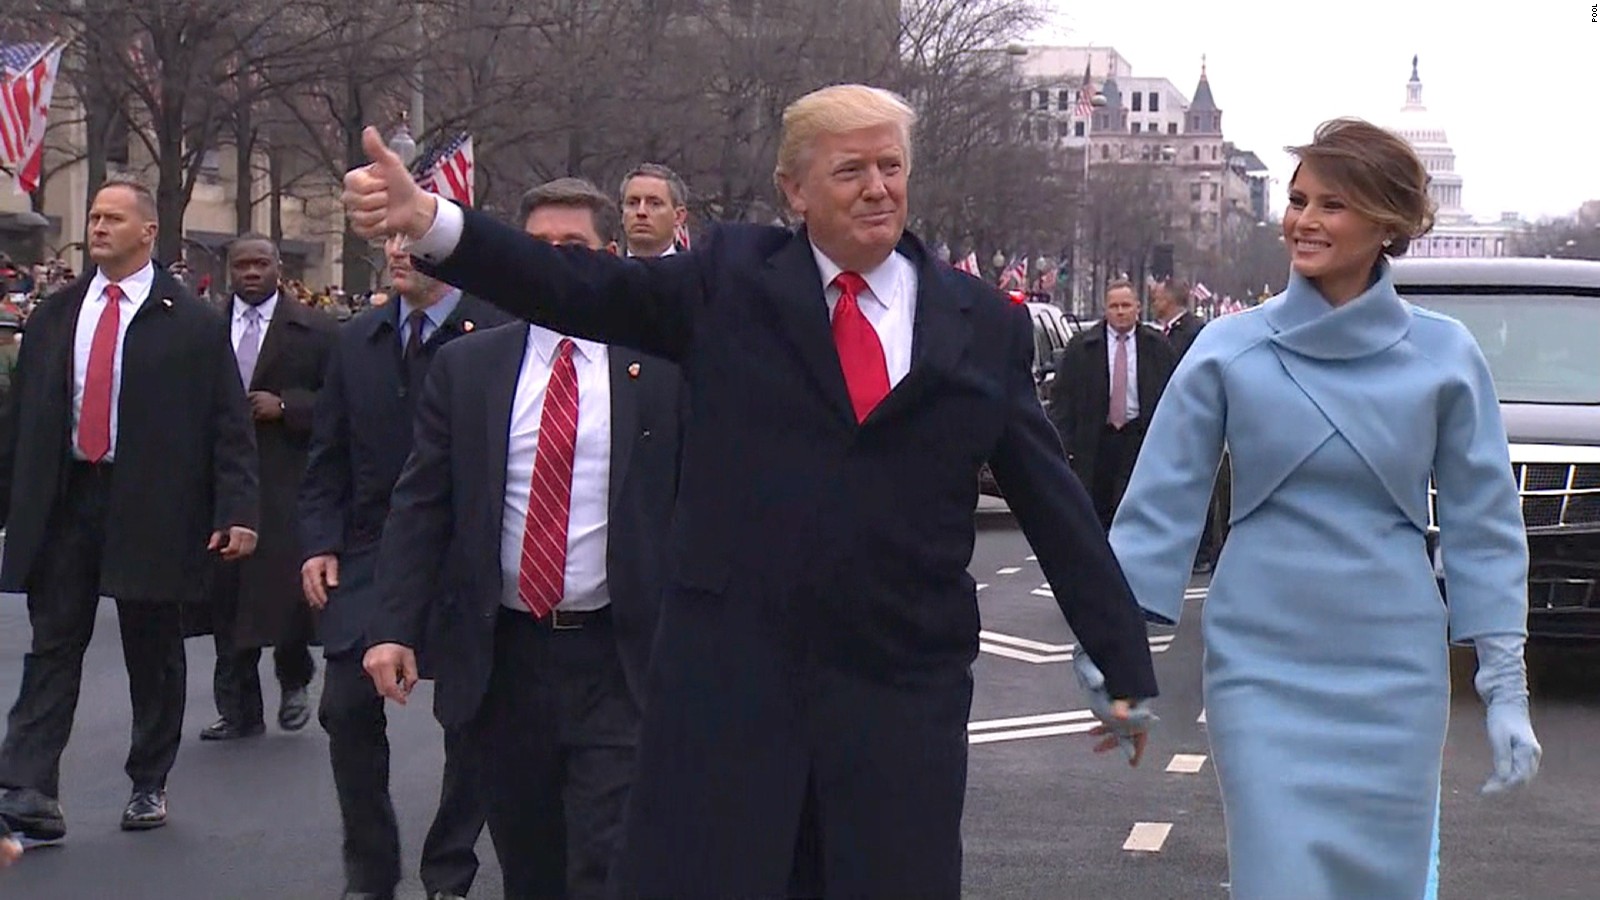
[{"x": 1045, "y": 819}]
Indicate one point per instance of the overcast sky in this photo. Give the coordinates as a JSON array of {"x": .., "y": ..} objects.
[{"x": 1515, "y": 86}]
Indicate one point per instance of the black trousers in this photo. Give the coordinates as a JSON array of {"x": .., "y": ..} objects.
[
  {"x": 236, "y": 680},
  {"x": 1113, "y": 467},
  {"x": 352, "y": 712},
  {"x": 63, "y": 597},
  {"x": 559, "y": 730}
]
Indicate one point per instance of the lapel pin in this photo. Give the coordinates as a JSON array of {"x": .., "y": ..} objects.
[
  {"x": 467, "y": 326},
  {"x": 633, "y": 370},
  {"x": 167, "y": 302}
]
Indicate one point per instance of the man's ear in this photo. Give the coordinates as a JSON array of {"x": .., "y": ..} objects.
[{"x": 612, "y": 248}]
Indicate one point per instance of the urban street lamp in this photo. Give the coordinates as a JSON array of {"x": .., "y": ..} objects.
[{"x": 402, "y": 143}]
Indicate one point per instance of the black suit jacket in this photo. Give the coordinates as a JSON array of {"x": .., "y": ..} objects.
[
  {"x": 1081, "y": 392},
  {"x": 185, "y": 453},
  {"x": 1182, "y": 332},
  {"x": 818, "y": 605},
  {"x": 440, "y": 562},
  {"x": 361, "y": 436},
  {"x": 293, "y": 359}
]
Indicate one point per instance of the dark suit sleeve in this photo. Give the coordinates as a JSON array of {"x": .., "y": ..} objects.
[
  {"x": 234, "y": 462},
  {"x": 648, "y": 305},
  {"x": 325, "y": 491},
  {"x": 10, "y": 412},
  {"x": 416, "y": 535},
  {"x": 300, "y": 404},
  {"x": 1063, "y": 396},
  {"x": 1060, "y": 523}
]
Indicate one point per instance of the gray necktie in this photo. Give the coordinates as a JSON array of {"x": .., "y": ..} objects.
[{"x": 249, "y": 345}]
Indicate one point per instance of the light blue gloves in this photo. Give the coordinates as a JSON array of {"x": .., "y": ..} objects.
[
  {"x": 1093, "y": 681},
  {"x": 1502, "y": 682}
]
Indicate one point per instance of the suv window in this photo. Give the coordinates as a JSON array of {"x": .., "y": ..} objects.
[{"x": 1540, "y": 347}]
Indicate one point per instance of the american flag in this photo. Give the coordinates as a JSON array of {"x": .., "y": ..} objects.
[
  {"x": 27, "y": 81},
  {"x": 447, "y": 169},
  {"x": 1015, "y": 275},
  {"x": 968, "y": 263},
  {"x": 1200, "y": 292},
  {"x": 1085, "y": 107}
]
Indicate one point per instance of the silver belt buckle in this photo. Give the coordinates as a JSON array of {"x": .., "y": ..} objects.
[{"x": 560, "y": 621}]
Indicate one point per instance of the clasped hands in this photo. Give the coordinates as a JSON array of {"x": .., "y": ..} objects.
[{"x": 1122, "y": 723}]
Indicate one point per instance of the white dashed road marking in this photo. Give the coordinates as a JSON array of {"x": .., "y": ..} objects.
[
  {"x": 982, "y": 586},
  {"x": 1033, "y": 559},
  {"x": 1008, "y": 570},
  {"x": 1186, "y": 763},
  {"x": 1147, "y": 837},
  {"x": 1039, "y": 653},
  {"x": 1202, "y": 719},
  {"x": 1019, "y": 728}
]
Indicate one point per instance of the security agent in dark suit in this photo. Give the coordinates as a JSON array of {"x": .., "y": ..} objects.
[
  {"x": 127, "y": 463},
  {"x": 1169, "y": 302},
  {"x": 282, "y": 351},
  {"x": 360, "y": 441},
  {"x": 1100, "y": 416},
  {"x": 810, "y": 683},
  {"x": 533, "y": 539}
]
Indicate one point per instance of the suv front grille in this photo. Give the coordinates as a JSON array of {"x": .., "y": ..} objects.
[{"x": 1554, "y": 495}]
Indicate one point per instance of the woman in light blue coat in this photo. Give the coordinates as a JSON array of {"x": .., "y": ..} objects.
[{"x": 1327, "y": 675}]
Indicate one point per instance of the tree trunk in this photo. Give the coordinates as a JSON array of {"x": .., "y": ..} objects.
[
  {"x": 275, "y": 193},
  {"x": 355, "y": 267},
  {"x": 171, "y": 197},
  {"x": 244, "y": 187}
]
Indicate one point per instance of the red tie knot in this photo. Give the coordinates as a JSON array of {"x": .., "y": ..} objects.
[
  {"x": 850, "y": 284},
  {"x": 114, "y": 293},
  {"x": 564, "y": 348}
]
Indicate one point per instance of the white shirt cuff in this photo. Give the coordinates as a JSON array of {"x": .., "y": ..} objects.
[{"x": 443, "y": 235}]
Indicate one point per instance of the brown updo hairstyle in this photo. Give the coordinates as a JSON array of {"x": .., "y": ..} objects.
[{"x": 1378, "y": 174}]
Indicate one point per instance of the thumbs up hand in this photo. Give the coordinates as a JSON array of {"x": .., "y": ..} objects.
[{"x": 381, "y": 199}]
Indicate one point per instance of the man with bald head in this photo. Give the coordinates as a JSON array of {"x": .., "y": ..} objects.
[
  {"x": 805, "y": 727},
  {"x": 281, "y": 348}
]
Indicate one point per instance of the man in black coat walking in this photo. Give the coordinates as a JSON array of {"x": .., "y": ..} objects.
[
  {"x": 360, "y": 441},
  {"x": 127, "y": 463},
  {"x": 282, "y": 349},
  {"x": 1106, "y": 389}
]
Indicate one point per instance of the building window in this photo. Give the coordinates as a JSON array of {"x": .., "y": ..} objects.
[
  {"x": 1213, "y": 152},
  {"x": 1044, "y": 99},
  {"x": 1042, "y": 129},
  {"x": 1138, "y": 102},
  {"x": 1499, "y": 247},
  {"x": 1172, "y": 128},
  {"x": 1066, "y": 128},
  {"x": 1144, "y": 153},
  {"x": 1194, "y": 221},
  {"x": 1213, "y": 192},
  {"x": 1077, "y": 128},
  {"x": 1194, "y": 192},
  {"x": 1155, "y": 102},
  {"x": 1197, "y": 156},
  {"x": 1063, "y": 100}
]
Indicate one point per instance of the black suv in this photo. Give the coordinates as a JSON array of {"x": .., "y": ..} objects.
[
  {"x": 1538, "y": 323},
  {"x": 1052, "y": 329}
]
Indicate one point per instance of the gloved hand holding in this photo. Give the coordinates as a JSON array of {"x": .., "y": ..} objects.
[
  {"x": 1122, "y": 723},
  {"x": 1502, "y": 682}
]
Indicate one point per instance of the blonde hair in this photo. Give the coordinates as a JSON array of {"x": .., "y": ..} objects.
[{"x": 833, "y": 110}]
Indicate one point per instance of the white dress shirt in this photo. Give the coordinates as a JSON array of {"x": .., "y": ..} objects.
[
  {"x": 591, "y": 470},
  {"x": 890, "y": 304},
  {"x": 1132, "y": 407},
  {"x": 265, "y": 310},
  {"x": 672, "y": 250},
  {"x": 135, "y": 291}
]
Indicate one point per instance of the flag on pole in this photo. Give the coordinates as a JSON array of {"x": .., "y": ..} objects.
[
  {"x": 1200, "y": 292},
  {"x": 1015, "y": 275},
  {"x": 1085, "y": 107},
  {"x": 447, "y": 169},
  {"x": 27, "y": 82},
  {"x": 968, "y": 263}
]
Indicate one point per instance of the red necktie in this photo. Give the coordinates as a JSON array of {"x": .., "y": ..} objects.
[
  {"x": 94, "y": 418},
  {"x": 542, "y": 580},
  {"x": 860, "y": 353}
]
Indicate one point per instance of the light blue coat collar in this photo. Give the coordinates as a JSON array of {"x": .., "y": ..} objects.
[{"x": 1304, "y": 323}]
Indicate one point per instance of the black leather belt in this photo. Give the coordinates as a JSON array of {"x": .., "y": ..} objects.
[{"x": 562, "y": 620}]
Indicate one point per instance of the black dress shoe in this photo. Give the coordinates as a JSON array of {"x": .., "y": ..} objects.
[
  {"x": 33, "y": 815},
  {"x": 295, "y": 711},
  {"x": 224, "y": 730},
  {"x": 146, "y": 810}
]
